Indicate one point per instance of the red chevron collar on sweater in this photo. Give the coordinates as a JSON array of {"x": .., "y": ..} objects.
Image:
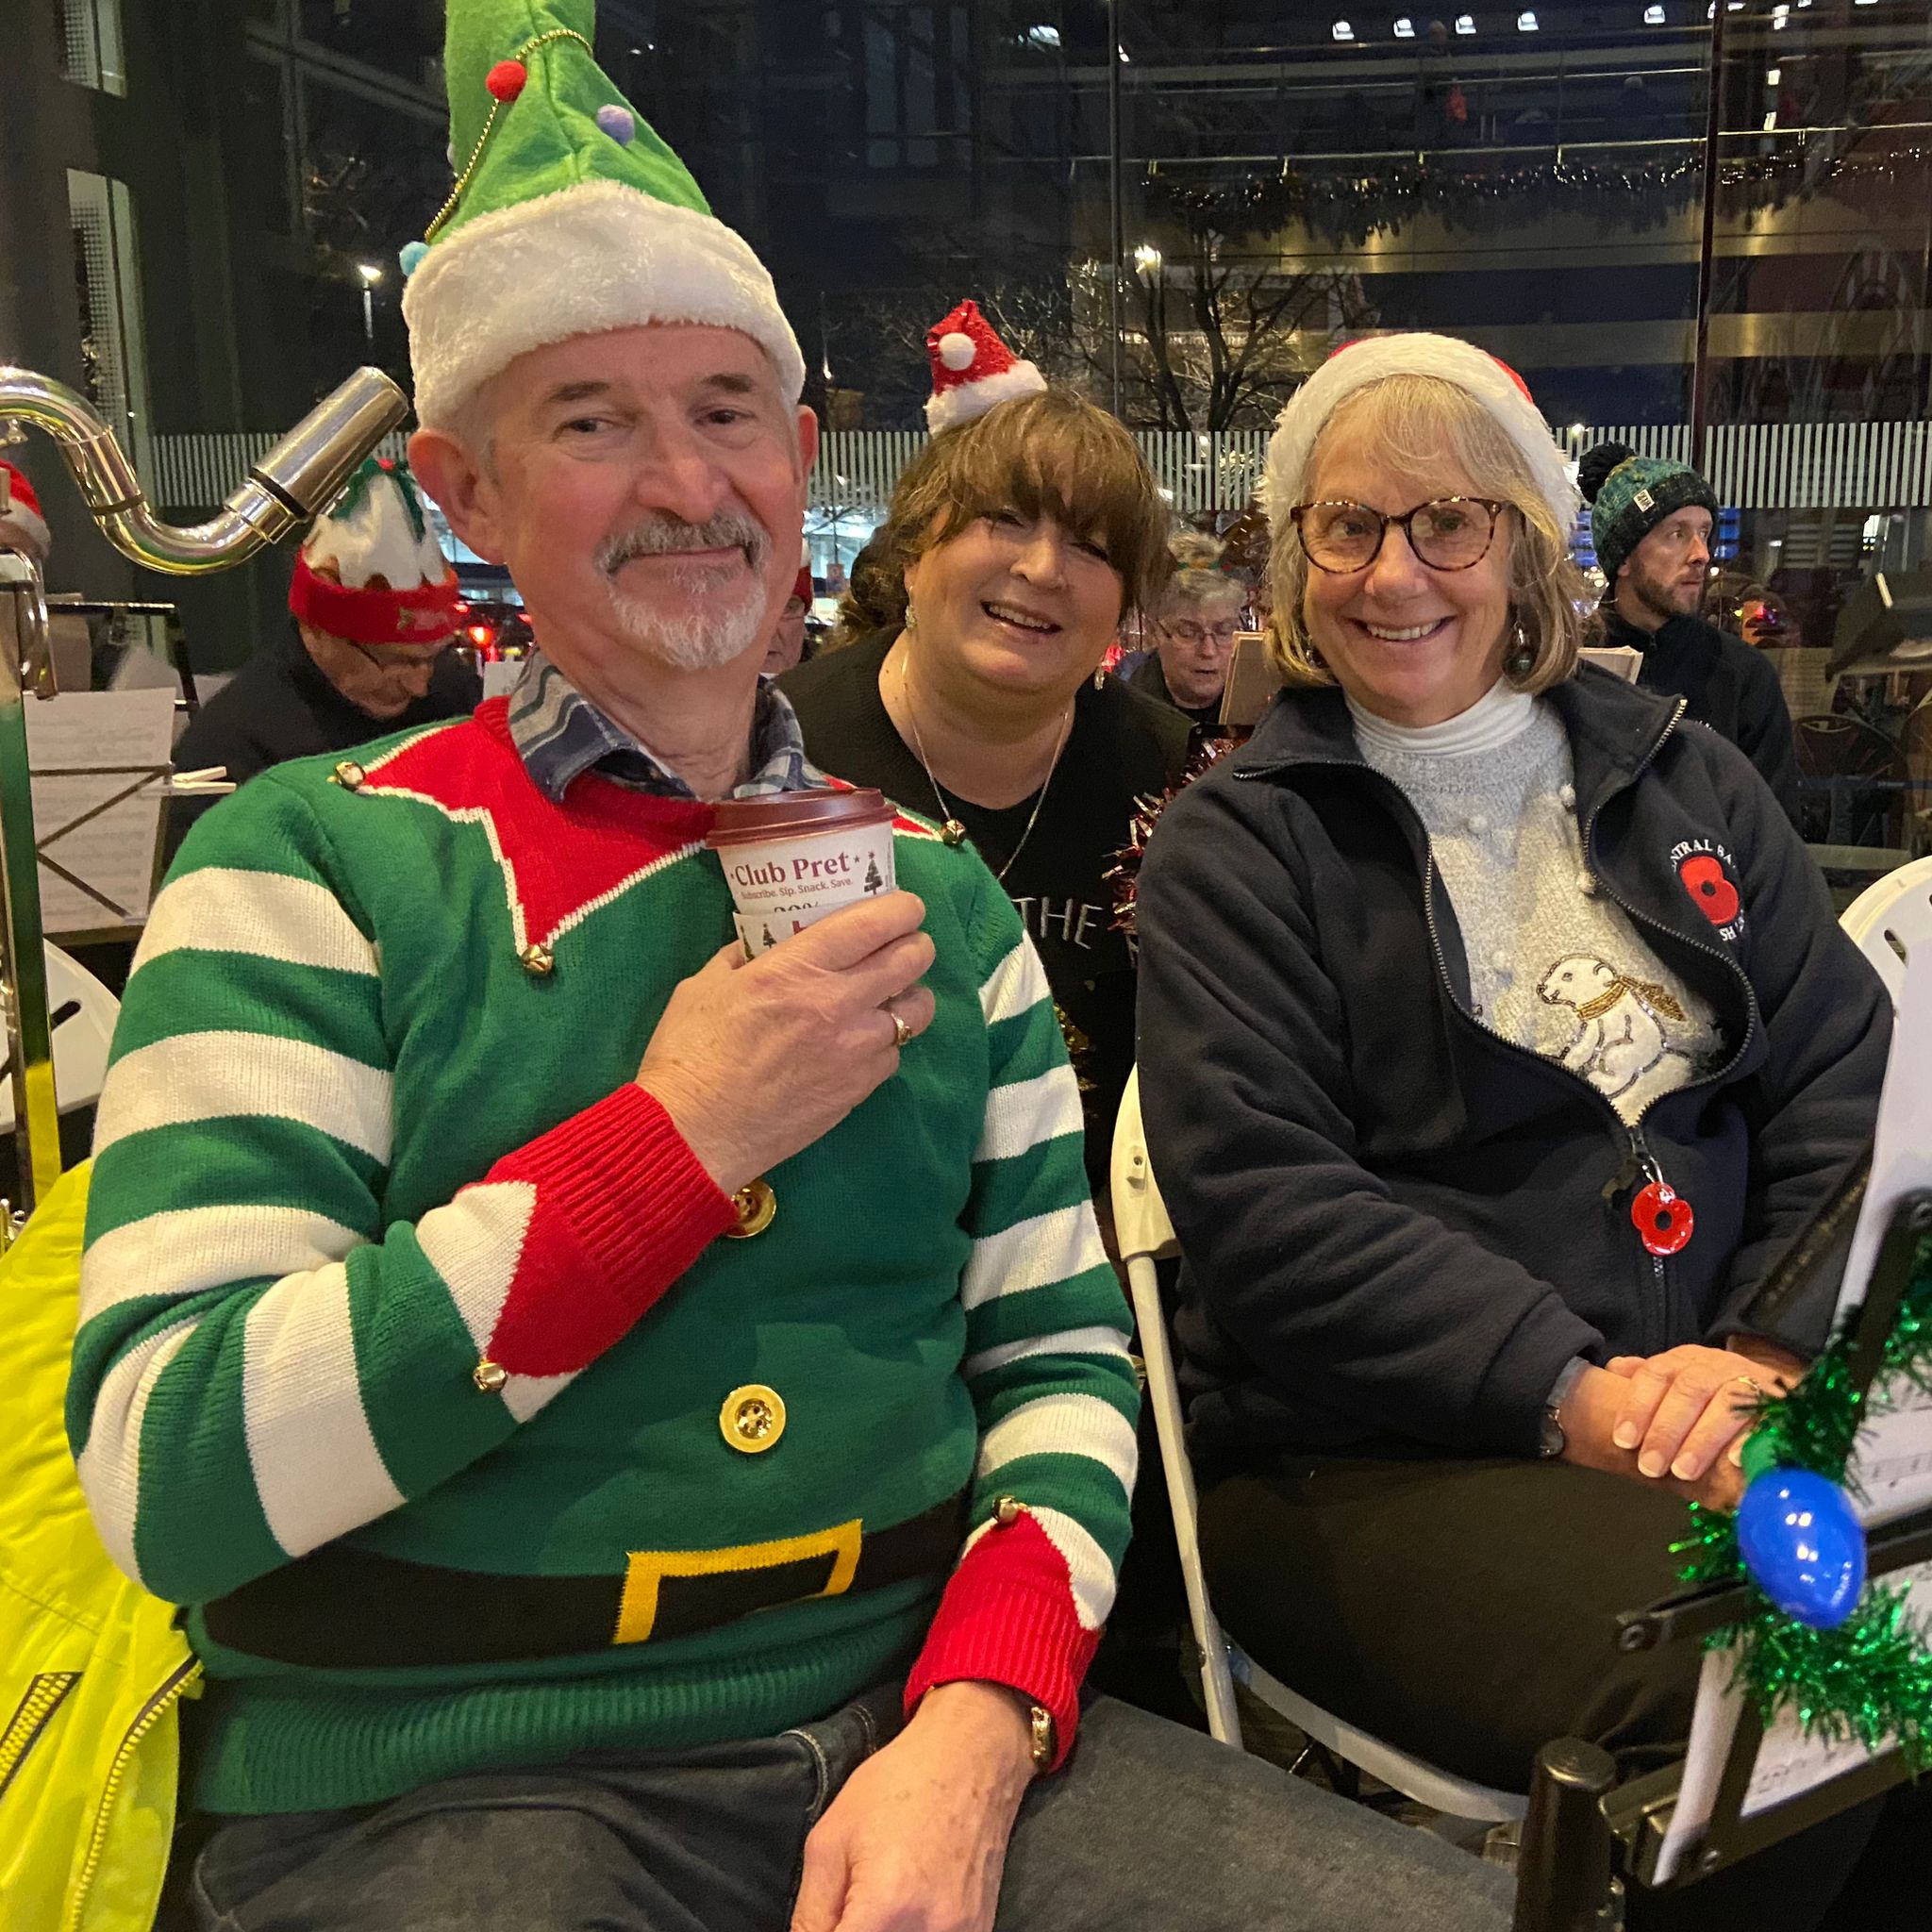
[{"x": 559, "y": 862}]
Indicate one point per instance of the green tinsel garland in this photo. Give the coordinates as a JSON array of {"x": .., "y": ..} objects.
[{"x": 1871, "y": 1678}]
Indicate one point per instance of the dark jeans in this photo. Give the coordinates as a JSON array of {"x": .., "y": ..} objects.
[
  {"x": 1149, "y": 1825},
  {"x": 1465, "y": 1612}
]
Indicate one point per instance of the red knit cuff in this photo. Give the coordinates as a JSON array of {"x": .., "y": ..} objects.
[
  {"x": 623, "y": 1209},
  {"x": 1007, "y": 1618}
]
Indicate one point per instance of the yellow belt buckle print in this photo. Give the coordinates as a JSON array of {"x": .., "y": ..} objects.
[{"x": 647, "y": 1569}]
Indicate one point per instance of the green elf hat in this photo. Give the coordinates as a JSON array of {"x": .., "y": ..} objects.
[{"x": 568, "y": 215}]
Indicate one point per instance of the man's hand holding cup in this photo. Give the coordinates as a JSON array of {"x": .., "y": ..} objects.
[{"x": 755, "y": 1060}]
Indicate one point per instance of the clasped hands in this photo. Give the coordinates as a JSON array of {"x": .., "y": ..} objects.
[{"x": 1678, "y": 1418}]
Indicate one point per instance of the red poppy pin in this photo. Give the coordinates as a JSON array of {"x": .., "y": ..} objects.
[{"x": 1714, "y": 895}]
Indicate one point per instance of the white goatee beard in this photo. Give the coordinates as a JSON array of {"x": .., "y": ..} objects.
[{"x": 687, "y": 639}]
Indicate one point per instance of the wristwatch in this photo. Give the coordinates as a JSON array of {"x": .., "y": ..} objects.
[
  {"x": 1042, "y": 1737},
  {"x": 1551, "y": 1441}
]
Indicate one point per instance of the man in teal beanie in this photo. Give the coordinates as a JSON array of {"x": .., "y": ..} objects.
[
  {"x": 1651, "y": 520},
  {"x": 642, "y": 1437}
]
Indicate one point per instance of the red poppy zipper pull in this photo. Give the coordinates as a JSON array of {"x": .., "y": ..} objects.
[{"x": 1662, "y": 1216}]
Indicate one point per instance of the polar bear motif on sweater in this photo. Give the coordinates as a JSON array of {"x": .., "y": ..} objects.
[{"x": 1620, "y": 1024}]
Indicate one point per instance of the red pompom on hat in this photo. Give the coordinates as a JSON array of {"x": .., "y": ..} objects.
[
  {"x": 506, "y": 80},
  {"x": 24, "y": 520},
  {"x": 973, "y": 371}
]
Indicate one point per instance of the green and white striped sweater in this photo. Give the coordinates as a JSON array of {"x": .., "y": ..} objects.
[{"x": 355, "y": 1141}]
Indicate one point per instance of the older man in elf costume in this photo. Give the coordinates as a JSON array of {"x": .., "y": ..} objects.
[{"x": 645, "y": 1437}]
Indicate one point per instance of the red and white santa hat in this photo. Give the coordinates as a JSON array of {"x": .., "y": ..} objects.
[
  {"x": 22, "y": 523},
  {"x": 376, "y": 530},
  {"x": 973, "y": 371},
  {"x": 1355, "y": 365}
]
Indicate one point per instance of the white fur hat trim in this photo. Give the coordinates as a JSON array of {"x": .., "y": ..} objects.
[
  {"x": 597, "y": 257},
  {"x": 966, "y": 401},
  {"x": 1417, "y": 353}
]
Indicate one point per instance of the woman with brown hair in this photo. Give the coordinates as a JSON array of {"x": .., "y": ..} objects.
[
  {"x": 1012, "y": 550},
  {"x": 1498, "y": 1042}
]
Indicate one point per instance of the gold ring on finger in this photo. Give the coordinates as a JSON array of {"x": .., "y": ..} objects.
[
  {"x": 1752, "y": 1383},
  {"x": 901, "y": 1032}
]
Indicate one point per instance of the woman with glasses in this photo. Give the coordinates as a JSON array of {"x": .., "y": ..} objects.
[
  {"x": 1497, "y": 1043},
  {"x": 1194, "y": 633}
]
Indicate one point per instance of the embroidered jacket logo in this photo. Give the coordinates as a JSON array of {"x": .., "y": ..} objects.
[{"x": 1705, "y": 868}]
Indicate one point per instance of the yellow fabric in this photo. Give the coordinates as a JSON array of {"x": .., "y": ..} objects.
[{"x": 87, "y": 1659}]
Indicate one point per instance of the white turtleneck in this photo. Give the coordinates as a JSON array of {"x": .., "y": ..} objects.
[{"x": 1496, "y": 717}]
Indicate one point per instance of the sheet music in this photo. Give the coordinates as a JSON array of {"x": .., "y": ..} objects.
[
  {"x": 1902, "y": 1152},
  {"x": 99, "y": 759},
  {"x": 500, "y": 675},
  {"x": 1892, "y": 1461}
]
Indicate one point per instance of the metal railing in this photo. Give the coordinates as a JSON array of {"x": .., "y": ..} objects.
[{"x": 1779, "y": 466}]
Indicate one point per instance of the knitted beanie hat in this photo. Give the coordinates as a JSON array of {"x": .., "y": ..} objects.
[
  {"x": 973, "y": 371},
  {"x": 568, "y": 215},
  {"x": 1357, "y": 364},
  {"x": 1630, "y": 495},
  {"x": 375, "y": 530}
]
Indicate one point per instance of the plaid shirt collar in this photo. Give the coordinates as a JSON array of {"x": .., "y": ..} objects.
[{"x": 560, "y": 734}]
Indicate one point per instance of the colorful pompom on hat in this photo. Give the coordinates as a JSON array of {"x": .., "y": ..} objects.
[
  {"x": 23, "y": 520},
  {"x": 1448, "y": 358},
  {"x": 371, "y": 570},
  {"x": 1629, "y": 495},
  {"x": 568, "y": 216},
  {"x": 973, "y": 371}
]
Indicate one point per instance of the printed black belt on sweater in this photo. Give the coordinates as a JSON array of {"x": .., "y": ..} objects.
[{"x": 342, "y": 1607}]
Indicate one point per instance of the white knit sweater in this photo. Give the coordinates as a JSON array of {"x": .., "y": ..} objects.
[{"x": 1555, "y": 964}]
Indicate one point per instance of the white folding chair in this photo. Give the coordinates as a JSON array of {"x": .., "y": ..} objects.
[
  {"x": 1890, "y": 917},
  {"x": 1147, "y": 1236}
]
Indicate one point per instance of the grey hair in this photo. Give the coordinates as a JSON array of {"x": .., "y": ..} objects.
[
  {"x": 1201, "y": 590},
  {"x": 473, "y": 423}
]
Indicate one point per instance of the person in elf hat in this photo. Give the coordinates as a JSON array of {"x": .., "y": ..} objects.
[
  {"x": 373, "y": 609},
  {"x": 1652, "y": 520},
  {"x": 1497, "y": 1043},
  {"x": 644, "y": 1437}
]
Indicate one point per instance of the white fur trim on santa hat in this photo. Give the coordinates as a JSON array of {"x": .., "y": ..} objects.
[
  {"x": 1417, "y": 353},
  {"x": 596, "y": 257},
  {"x": 966, "y": 402}
]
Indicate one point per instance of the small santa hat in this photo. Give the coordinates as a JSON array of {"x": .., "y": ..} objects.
[
  {"x": 973, "y": 371},
  {"x": 23, "y": 522},
  {"x": 376, "y": 528}
]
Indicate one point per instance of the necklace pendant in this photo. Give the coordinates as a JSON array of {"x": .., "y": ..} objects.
[{"x": 953, "y": 833}]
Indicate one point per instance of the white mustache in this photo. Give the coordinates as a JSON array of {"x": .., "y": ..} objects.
[{"x": 661, "y": 535}]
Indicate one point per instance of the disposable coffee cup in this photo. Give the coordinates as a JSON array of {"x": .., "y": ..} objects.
[{"x": 792, "y": 858}]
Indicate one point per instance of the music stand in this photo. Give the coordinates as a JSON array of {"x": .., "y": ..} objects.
[{"x": 1585, "y": 1834}]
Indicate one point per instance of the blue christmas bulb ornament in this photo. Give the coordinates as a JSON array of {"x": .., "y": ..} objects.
[
  {"x": 619, "y": 122},
  {"x": 1803, "y": 1545},
  {"x": 410, "y": 253}
]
